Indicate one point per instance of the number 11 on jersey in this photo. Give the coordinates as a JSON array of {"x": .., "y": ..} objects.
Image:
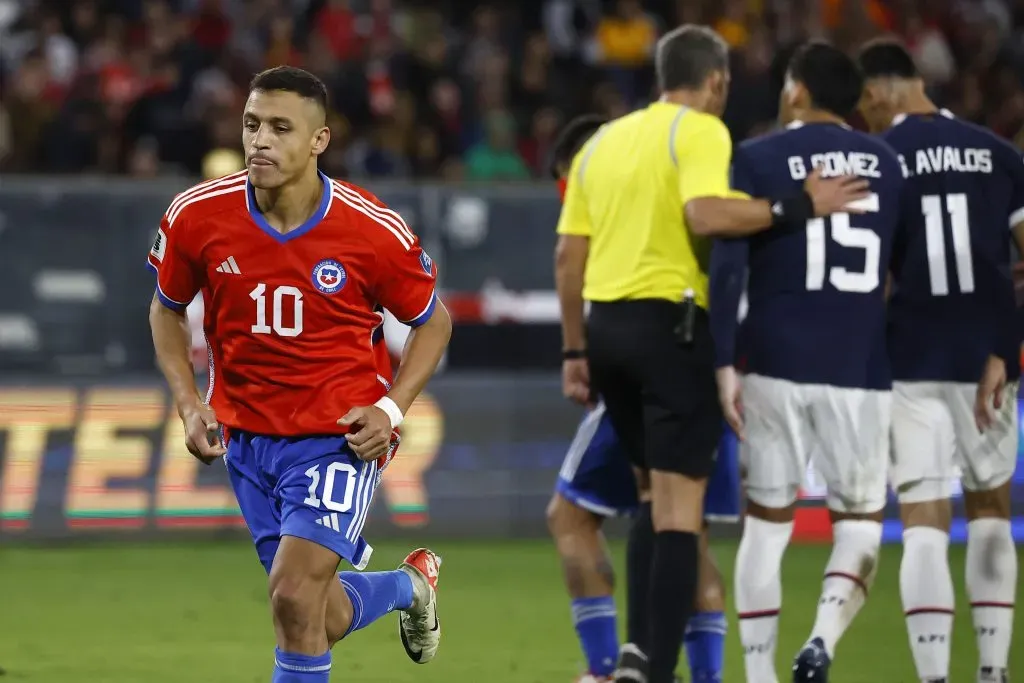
[{"x": 935, "y": 241}]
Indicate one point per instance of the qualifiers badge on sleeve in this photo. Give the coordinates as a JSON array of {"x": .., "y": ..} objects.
[
  {"x": 427, "y": 263},
  {"x": 329, "y": 276}
]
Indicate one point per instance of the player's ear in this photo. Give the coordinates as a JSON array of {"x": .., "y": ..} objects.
[{"x": 321, "y": 139}]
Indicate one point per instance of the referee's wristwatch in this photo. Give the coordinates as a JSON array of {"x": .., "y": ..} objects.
[{"x": 573, "y": 354}]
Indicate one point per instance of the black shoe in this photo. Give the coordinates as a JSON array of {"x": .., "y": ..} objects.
[
  {"x": 811, "y": 665},
  {"x": 632, "y": 665}
]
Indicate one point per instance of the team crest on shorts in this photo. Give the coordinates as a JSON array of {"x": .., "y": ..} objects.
[
  {"x": 427, "y": 263},
  {"x": 329, "y": 276}
]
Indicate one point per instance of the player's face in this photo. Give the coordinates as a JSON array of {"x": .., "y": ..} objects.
[
  {"x": 282, "y": 134},
  {"x": 873, "y": 108}
]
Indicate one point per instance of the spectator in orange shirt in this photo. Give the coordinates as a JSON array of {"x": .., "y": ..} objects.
[
  {"x": 624, "y": 42},
  {"x": 627, "y": 37}
]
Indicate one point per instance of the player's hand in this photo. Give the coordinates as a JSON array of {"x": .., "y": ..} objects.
[
  {"x": 989, "y": 398},
  {"x": 202, "y": 432},
  {"x": 576, "y": 381},
  {"x": 730, "y": 398},
  {"x": 370, "y": 433},
  {"x": 832, "y": 195}
]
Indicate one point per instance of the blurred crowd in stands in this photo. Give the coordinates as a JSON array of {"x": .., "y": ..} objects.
[{"x": 432, "y": 88}]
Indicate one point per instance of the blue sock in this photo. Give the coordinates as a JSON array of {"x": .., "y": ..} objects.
[
  {"x": 293, "y": 668},
  {"x": 595, "y": 626},
  {"x": 705, "y": 646},
  {"x": 374, "y": 594}
]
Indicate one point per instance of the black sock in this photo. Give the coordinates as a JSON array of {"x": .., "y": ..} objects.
[
  {"x": 672, "y": 592},
  {"x": 639, "y": 552}
]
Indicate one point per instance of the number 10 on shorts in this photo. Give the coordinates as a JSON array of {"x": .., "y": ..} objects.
[{"x": 329, "y": 494}]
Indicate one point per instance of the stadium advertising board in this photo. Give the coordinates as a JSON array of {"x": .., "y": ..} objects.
[{"x": 479, "y": 457}]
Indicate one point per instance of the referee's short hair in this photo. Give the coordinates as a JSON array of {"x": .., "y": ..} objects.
[
  {"x": 832, "y": 78},
  {"x": 687, "y": 55}
]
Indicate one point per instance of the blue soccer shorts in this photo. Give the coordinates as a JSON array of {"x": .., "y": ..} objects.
[
  {"x": 596, "y": 474},
  {"x": 308, "y": 487}
]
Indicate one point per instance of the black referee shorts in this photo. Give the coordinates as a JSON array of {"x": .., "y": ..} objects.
[{"x": 661, "y": 396}]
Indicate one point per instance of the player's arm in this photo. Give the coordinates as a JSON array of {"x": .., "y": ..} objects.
[
  {"x": 421, "y": 355},
  {"x": 177, "y": 285},
  {"x": 405, "y": 285},
  {"x": 729, "y": 259}
]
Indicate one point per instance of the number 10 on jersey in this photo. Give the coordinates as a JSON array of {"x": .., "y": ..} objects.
[{"x": 283, "y": 297}]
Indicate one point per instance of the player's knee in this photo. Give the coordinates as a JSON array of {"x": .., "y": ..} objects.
[
  {"x": 994, "y": 502},
  {"x": 295, "y": 600},
  {"x": 930, "y": 512},
  {"x": 776, "y": 510},
  {"x": 565, "y": 519},
  {"x": 773, "y": 504}
]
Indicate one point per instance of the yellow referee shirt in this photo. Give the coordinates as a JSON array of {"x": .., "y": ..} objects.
[{"x": 626, "y": 192}]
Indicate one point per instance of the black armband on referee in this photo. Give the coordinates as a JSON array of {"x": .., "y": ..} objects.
[
  {"x": 793, "y": 210},
  {"x": 573, "y": 354}
]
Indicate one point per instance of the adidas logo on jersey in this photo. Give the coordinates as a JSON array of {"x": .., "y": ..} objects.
[
  {"x": 330, "y": 521},
  {"x": 229, "y": 266}
]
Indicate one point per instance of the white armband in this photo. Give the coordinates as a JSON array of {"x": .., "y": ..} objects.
[{"x": 391, "y": 408}]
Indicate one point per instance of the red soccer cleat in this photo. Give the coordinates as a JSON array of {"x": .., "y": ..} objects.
[{"x": 418, "y": 626}]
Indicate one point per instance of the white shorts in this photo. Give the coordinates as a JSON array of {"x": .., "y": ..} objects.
[
  {"x": 845, "y": 430},
  {"x": 935, "y": 439}
]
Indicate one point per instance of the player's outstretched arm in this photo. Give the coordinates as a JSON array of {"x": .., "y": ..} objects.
[{"x": 172, "y": 341}]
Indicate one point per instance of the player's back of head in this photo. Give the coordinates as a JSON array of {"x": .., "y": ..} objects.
[
  {"x": 886, "y": 58},
  {"x": 832, "y": 79},
  {"x": 291, "y": 79},
  {"x": 687, "y": 56},
  {"x": 571, "y": 140}
]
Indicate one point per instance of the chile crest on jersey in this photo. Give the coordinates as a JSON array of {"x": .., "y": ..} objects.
[{"x": 329, "y": 276}]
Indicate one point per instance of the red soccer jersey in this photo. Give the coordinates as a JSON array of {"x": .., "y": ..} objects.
[{"x": 290, "y": 318}]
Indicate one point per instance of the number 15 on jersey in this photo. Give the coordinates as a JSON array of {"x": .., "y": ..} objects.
[{"x": 842, "y": 231}]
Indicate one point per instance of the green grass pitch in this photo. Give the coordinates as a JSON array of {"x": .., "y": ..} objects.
[{"x": 197, "y": 613}]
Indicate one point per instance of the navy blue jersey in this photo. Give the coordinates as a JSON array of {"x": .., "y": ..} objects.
[
  {"x": 953, "y": 303},
  {"x": 815, "y": 292}
]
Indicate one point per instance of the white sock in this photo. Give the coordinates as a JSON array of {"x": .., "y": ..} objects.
[
  {"x": 926, "y": 587},
  {"x": 759, "y": 594},
  {"x": 848, "y": 577},
  {"x": 991, "y": 584}
]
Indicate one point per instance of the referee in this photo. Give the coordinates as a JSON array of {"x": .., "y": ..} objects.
[{"x": 644, "y": 197}]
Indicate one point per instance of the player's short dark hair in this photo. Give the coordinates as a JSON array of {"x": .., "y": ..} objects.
[
  {"x": 832, "y": 78},
  {"x": 571, "y": 140},
  {"x": 291, "y": 79},
  {"x": 687, "y": 55},
  {"x": 886, "y": 58}
]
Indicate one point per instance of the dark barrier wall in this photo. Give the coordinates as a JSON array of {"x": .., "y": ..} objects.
[{"x": 74, "y": 291}]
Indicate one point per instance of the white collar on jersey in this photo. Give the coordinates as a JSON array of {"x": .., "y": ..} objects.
[
  {"x": 900, "y": 118},
  {"x": 793, "y": 125}
]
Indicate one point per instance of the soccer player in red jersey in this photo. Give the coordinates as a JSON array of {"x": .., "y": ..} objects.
[{"x": 294, "y": 268}]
